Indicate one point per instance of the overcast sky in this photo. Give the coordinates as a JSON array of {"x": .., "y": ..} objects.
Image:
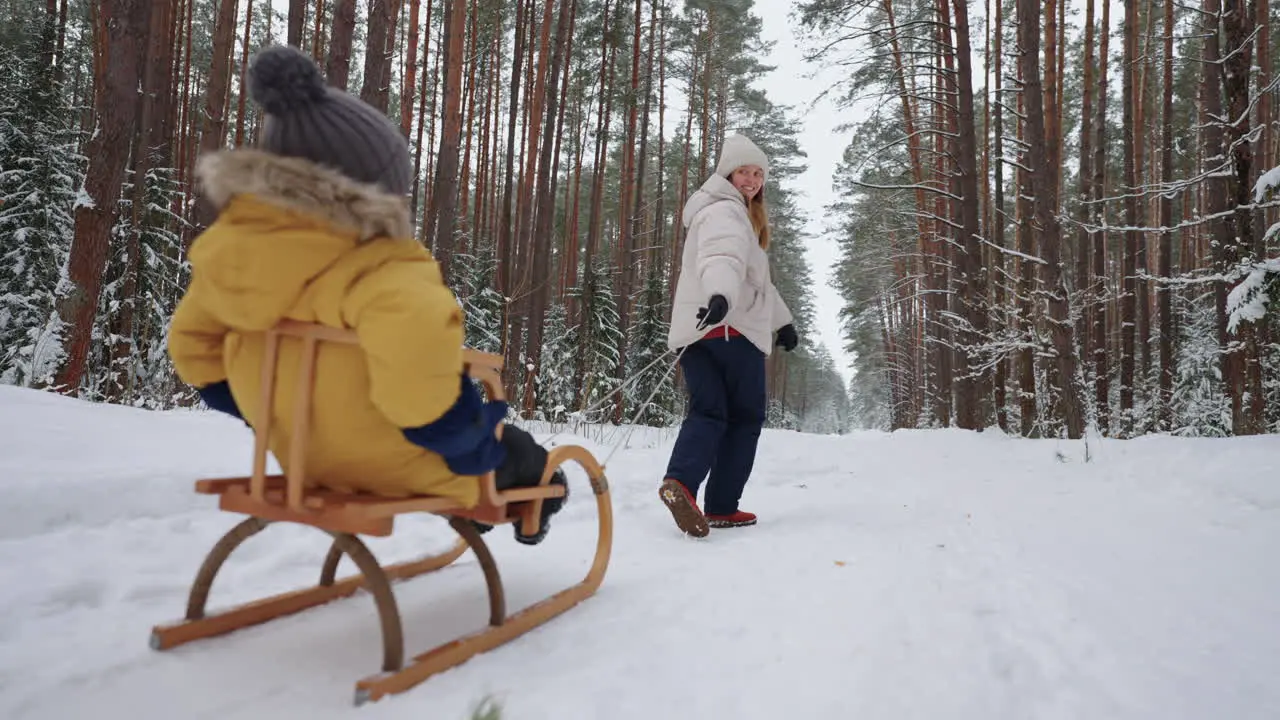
[{"x": 788, "y": 85}]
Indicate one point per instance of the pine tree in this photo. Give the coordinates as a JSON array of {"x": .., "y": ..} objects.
[
  {"x": 129, "y": 361},
  {"x": 651, "y": 393},
  {"x": 481, "y": 303},
  {"x": 1200, "y": 404},
  {"x": 40, "y": 173},
  {"x": 555, "y": 386},
  {"x": 600, "y": 338}
]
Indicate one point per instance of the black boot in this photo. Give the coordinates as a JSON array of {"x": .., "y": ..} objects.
[{"x": 550, "y": 507}]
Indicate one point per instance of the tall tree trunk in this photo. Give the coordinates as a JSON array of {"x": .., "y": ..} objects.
[
  {"x": 1085, "y": 213},
  {"x": 410, "y": 69},
  {"x": 379, "y": 49},
  {"x": 297, "y": 16},
  {"x": 317, "y": 34},
  {"x": 659, "y": 213},
  {"x": 126, "y": 24},
  {"x": 941, "y": 349},
  {"x": 344, "y": 25},
  {"x": 1141, "y": 263},
  {"x": 423, "y": 121},
  {"x": 998, "y": 215},
  {"x": 441, "y": 214},
  {"x": 1217, "y": 191},
  {"x": 651, "y": 257},
  {"x": 213, "y": 128},
  {"x": 1025, "y": 315},
  {"x": 1248, "y": 396},
  {"x": 546, "y": 199},
  {"x": 505, "y": 219},
  {"x": 1101, "y": 370},
  {"x": 1128, "y": 270},
  {"x": 1163, "y": 291},
  {"x": 527, "y": 203},
  {"x": 604, "y": 111},
  {"x": 625, "y": 257},
  {"x": 1064, "y": 368},
  {"x": 1264, "y": 149},
  {"x": 244, "y": 74},
  {"x": 152, "y": 149},
  {"x": 469, "y": 122},
  {"x": 974, "y": 382}
]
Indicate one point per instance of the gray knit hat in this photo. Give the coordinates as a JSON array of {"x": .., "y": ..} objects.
[{"x": 308, "y": 119}]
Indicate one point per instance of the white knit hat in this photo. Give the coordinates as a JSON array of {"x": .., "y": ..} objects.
[{"x": 737, "y": 151}]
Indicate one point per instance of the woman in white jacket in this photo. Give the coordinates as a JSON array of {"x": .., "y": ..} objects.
[{"x": 725, "y": 315}]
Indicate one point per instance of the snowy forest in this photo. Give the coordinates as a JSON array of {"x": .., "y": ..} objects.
[
  {"x": 554, "y": 144},
  {"x": 1054, "y": 216},
  {"x": 1058, "y": 215}
]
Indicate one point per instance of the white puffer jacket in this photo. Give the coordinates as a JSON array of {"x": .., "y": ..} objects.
[{"x": 723, "y": 257}]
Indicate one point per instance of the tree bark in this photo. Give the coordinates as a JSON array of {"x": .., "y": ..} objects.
[
  {"x": 441, "y": 214},
  {"x": 1248, "y": 396},
  {"x": 506, "y": 231},
  {"x": 1164, "y": 298},
  {"x": 1064, "y": 368},
  {"x": 126, "y": 25},
  {"x": 379, "y": 48},
  {"x": 213, "y": 128},
  {"x": 244, "y": 73},
  {"x": 1128, "y": 270},
  {"x": 973, "y": 382},
  {"x": 410, "y": 69},
  {"x": 297, "y": 16},
  {"x": 344, "y": 25},
  {"x": 546, "y": 199},
  {"x": 998, "y": 215},
  {"x": 1101, "y": 370},
  {"x": 1085, "y": 214},
  {"x": 1217, "y": 191}
]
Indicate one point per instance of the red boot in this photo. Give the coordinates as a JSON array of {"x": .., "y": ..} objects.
[
  {"x": 737, "y": 519},
  {"x": 683, "y": 507}
]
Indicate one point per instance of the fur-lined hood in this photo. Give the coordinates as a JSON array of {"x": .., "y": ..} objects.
[
  {"x": 306, "y": 187},
  {"x": 293, "y": 239}
]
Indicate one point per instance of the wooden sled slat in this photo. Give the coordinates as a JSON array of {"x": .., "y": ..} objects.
[
  {"x": 346, "y": 516},
  {"x": 333, "y": 520},
  {"x": 257, "y": 612},
  {"x": 455, "y": 652}
]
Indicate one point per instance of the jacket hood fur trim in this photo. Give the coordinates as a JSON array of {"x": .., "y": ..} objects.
[{"x": 305, "y": 187}]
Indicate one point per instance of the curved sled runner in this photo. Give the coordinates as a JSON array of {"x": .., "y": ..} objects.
[{"x": 345, "y": 516}]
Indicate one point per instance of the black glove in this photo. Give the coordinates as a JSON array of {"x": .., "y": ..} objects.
[
  {"x": 787, "y": 337},
  {"x": 714, "y": 312}
]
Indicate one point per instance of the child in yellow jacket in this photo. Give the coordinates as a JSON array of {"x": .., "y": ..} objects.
[{"x": 314, "y": 226}]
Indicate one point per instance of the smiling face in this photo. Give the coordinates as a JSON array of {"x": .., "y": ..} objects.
[{"x": 748, "y": 179}]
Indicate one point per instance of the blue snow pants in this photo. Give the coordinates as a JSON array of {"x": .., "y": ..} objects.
[{"x": 726, "y": 383}]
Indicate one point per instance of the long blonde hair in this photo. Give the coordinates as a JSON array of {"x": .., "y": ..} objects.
[{"x": 759, "y": 214}]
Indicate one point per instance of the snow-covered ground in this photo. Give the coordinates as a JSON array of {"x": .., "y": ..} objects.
[{"x": 930, "y": 575}]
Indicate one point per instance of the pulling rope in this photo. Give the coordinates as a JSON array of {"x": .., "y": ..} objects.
[
  {"x": 645, "y": 406},
  {"x": 607, "y": 398}
]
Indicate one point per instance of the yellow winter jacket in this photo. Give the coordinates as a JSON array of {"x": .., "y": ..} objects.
[{"x": 298, "y": 241}]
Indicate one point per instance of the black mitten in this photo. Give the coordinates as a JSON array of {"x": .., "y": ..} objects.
[
  {"x": 714, "y": 312},
  {"x": 787, "y": 337}
]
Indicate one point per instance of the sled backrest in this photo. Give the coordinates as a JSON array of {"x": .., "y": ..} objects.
[{"x": 485, "y": 367}]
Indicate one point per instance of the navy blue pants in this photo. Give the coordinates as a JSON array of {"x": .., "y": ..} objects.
[{"x": 726, "y": 382}]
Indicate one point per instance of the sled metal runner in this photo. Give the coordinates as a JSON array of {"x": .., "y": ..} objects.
[{"x": 345, "y": 516}]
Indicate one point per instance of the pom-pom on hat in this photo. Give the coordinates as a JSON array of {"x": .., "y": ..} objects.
[
  {"x": 306, "y": 118},
  {"x": 738, "y": 150}
]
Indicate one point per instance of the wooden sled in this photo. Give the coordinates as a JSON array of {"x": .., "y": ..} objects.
[{"x": 347, "y": 516}]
